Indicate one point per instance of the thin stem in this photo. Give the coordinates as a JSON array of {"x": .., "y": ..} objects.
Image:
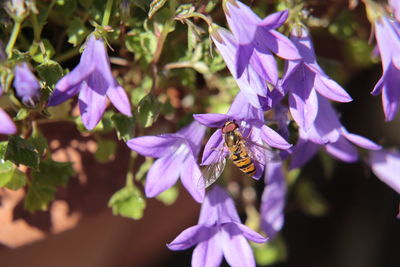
[
  {"x": 36, "y": 27},
  {"x": 129, "y": 175},
  {"x": 67, "y": 55},
  {"x": 107, "y": 13},
  {"x": 13, "y": 38}
]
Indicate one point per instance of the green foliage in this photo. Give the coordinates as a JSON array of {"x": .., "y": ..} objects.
[
  {"x": 45, "y": 181},
  {"x": 77, "y": 32},
  {"x": 128, "y": 202},
  {"x": 21, "y": 151},
  {"x": 148, "y": 110},
  {"x": 22, "y": 114},
  {"x": 142, "y": 43},
  {"x": 105, "y": 151},
  {"x": 155, "y": 5},
  {"x": 50, "y": 72},
  {"x": 271, "y": 252},
  {"x": 169, "y": 196},
  {"x": 41, "y": 51},
  {"x": 125, "y": 126}
]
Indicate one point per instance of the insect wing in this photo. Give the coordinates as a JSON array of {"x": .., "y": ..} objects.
[
  {"x": 212, "y": 172},
  {"x": 260, "y": 153}
]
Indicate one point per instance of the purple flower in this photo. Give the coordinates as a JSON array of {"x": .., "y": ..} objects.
[
  {"x": 251, "y": 84},
  {"x": 7, "y": 126},
  {"x": 252, "y": 126},
  {"x": 177, "y": 155},
  {"x": 219, "y": 233},
  {"x": 395, "y": 5},
  {"x": 386, "y": 166},
  {"x": 327, "y": 131},
  {"x": 93, "y": 79},
  {"x": 273, "y": 199},
  {"x": 387, "y": 33},
  {"x": 257, "y": 39},
  {"x": 304, "y": 80},
  {"x": 26, "y": 85}
]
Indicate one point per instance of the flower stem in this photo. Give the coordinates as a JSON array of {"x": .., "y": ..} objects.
[
  {"x": 107, "y": 13},
  {"x": 36, "y": 28},
  {"x": 13, "y": 38}
]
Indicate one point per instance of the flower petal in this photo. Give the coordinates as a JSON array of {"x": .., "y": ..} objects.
[
  {"x": 302, "y": 153},
  {"x": 386, "y": 165},
  {"x": 273, "y": 139},
  {"x": 330, "y": 89},
  {"x": 154, "y": 146},
  {"x": 119, "y": 99},
  {"x": 190, "y": 237},
  {"x": 163, "y": 174},
  {"x": 361, "y": 141},
  {"x": 278, "y": 43},
  {"x": 343, "y": 150},
  {"x": 246, "y": 232},
  {"x": 91, "y": 105},
  {"x": 237, "y": 250},
  {"x": 60, "y": 96},
  {"x": 194, "y": 134},
  {"x": 214, "y": 149},
  {"x": 212, "y": 120},
  {"x": 7, "y": 126},
  {"x": 190, "y": 177},
  {"x": 275, "y": 20},
  {"x": 209, "y": 252}
]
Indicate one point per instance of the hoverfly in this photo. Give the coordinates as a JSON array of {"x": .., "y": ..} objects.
[{"x": 243, "y": 153}]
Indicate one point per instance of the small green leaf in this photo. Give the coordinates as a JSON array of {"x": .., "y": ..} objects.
[
  {"x": 6, "y": 169},
  {"x": 201, "y": 67},
  {"x": 148, "y": 109},
  {"x": 20, "y": 151},
  {"x": 18, "y": 180},
  {"x": 155, "y": 5},
  {"x": 169, "y": 196},
  {"x": 38, "y": 197},
  {"x": 50, "y": 72},
  {"x": 105, "y": 151},
  {"x": 3, "y": 148},
  {"x": 144, "y": 168},
  {"x": 39, "y": 142},
  {"x": 22, "y": 114},
  {"x": 36, "y": 51},
  {"x": 125, "y": 126},
  {"x": 66, "y": 7},
  {"x": 128, "y": 202},
  {"x": 272, "y": 252},
  {"x": 77, "y": 32}
]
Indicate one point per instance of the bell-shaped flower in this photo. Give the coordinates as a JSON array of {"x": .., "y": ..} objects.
[
  {"x": 304, "y": 79},
  {"x": 257, "y": 39},
  {"x": 395, "y": 6},
  {"x": 7, "y": 125},
  {"x": 326, "y": 131},
  {"x": 386, "y": 166},
  {"x": 219, "y": 233},
  {"x": 177, "y": 157},
  {"x": 273, "y": 199},
  {"x": 250, "y": 83},
  {"x": 27, "y": 87},
  {"x": 93, "y": 79},
  {"x": 252, "y": 127},
  {"x": 387, "y": 34}
]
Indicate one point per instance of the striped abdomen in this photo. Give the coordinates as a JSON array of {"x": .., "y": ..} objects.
[{"x": 241, "y": 159}]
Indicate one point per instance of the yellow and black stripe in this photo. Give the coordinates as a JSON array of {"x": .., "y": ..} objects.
[{"x": 241, "y": 159}]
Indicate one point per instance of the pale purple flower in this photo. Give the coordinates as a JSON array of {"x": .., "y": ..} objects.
[
  {"x": 177, "y": 157},
  {"x": 7, "y": 126},
  {"x": 257, "y": 39},
  {"x": 273, "y": 199},
  {"x": 93, "y": 79},
  {"x": 326, "y": 131},
  {"x": 387, "y": 33},
  {"x": 386, "y": 166},
  {"x": 26, "y": 85},
  {"x": 219, "y": 233},
  {"x": 250, "y": 83},
  {"x": 395, "y": 5},
  {"x": 252, "y": 127},
  {"x": 304, "y": 80}
]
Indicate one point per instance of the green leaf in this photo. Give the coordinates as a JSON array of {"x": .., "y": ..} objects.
[
  {"x": 22, "y": 114},
  {"x": 76, "y": 32},
  {"x": 142, "y": 43},
  {"x": 148, "y": 109},
  {"x": 6, "y": 169},
  {"x": 3, "y": 148},
  {"x": 20, "y": 151},
  {"x": 36, "y": 51},
  {"x": 66, "y": 7},
  {"x": 18, "y": 179},
  {"x": 105, "y": 151},
  {"x": 45, "y": 181},
  {"x": 169, "y": 196},
  {"x": 39, "y": 142},
  {"x": 125, "y": 126},
  {"x": 50, "y": 72},
  {"x": 60, "y": 111},
  {"x": 272, "y": 252},
  {"x": 128, "y": 202},
  {"x": 155, "y": 5},
  {"x": 144, "y": 168}
]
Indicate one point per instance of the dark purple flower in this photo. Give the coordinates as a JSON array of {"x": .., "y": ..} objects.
[
  {"x": 273, "y": 199},
  {"x": 257, "y": 39},
  {"x": 93, "y": 79},
  {"x": 219, "y": 233},
  {"x": 386, "y": 166},
  {"x": 326, "y": 131},
  {"x": 252, "y": 127},
  {"x": 387, "y": 33},
  {"x": 26, "y": 85},
  {"x": 250, "y": 83},
  {"x": 7, "y": 126},
  {"x": 177, "y": 157},
  {"x": 304, "y": 80}
]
